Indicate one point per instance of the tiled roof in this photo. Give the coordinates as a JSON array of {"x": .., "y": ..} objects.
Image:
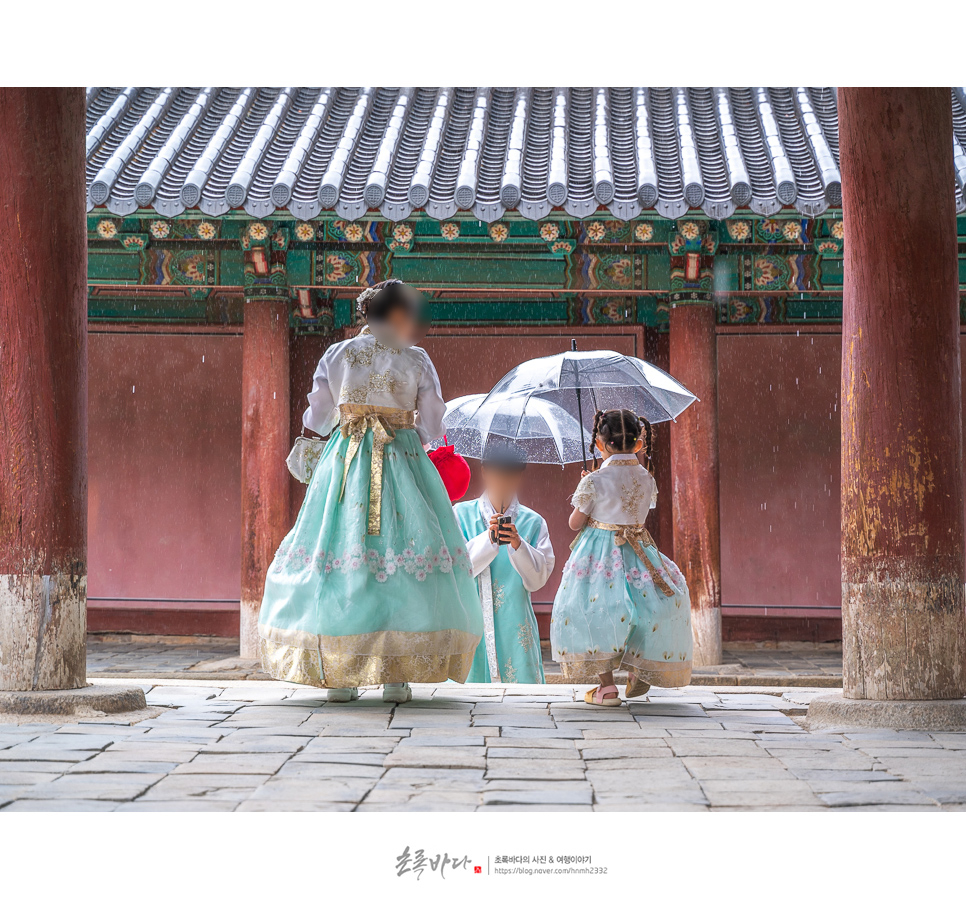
[{"x": 482, "y": 150}]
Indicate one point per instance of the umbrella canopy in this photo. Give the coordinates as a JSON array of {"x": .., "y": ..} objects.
[
  {"x": 545, "y": 432},
  {"x": 581, "y": 382}
]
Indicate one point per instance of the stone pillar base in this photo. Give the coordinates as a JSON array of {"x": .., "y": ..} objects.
[
  {"x": 837, "y": 712},
  {"x": 71, "y": 702}
]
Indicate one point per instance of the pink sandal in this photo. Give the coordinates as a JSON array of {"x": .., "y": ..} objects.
[{"x": 596, "y": 697}]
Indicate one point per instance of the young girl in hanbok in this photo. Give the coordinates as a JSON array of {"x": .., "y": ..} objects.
[
  {"x": 621, "y": 603},
  {"x": 510, "y": 563},
  {"x": 373, "y": 584}
]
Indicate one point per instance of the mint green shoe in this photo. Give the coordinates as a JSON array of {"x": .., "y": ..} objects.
[
  {"x": 396, "y": 693},
  {"x": 342, "y": 694}
]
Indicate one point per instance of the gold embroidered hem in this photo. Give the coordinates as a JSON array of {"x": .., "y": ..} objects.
[
  {"x": 587, "y": 667},
  {"x": 638, "y": 538},
  {"x": 580, "y": 669},
  {"x": 659, "y": 673},
  {"x": 286, "y": 662},
  {"x": 369, "y": 658},
  {"x": 356, "y": 419}
]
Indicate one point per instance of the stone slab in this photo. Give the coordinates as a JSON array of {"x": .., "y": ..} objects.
[
  {"x": 72, "y": 702},
  {"x": 533, "y": 754},
  {"x": 59, "y": 805},
  {"x": 235, "y": 764},
  {"x": 447, "y": 740},
  {"x": 176, "y": 805},
  {"x": 428, "y": 756},
  {"x": 302, "y": 770},
  {"x": 432, "y": 778},
  {"x": 547, "y": 771},
  {"x": 830, "y": 712},
  {"x": 561, "y": 734},
  {"x": 341, "y": 789},
  {"x": 549, "y": 796},
  {"x": 274, "y": 805},
  {"x": 531, "y": 743},
  {"x": 877, "y": 794}
]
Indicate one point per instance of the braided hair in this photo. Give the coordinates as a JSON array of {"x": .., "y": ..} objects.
[
  {"x": 620, "y": 430},
  {"x": 378, "y": 301}
]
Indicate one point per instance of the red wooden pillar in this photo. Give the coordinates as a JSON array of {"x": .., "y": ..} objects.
[
  {"x": 694, "y": 469},
  {"x": 904, "y": 632},
  {"x": 43, "y": 390},
  {"x": 265, "y": 444}
]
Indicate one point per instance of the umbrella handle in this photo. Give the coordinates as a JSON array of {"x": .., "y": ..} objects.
[{"x": 580, "y": 411}]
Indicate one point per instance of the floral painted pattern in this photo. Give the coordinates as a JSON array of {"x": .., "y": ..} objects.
[
  {"x": 382, "y": 566},
  {"x": 499, "y": 232},
  {"x": 354, "y": 233},
  {"x": 340, "y": 268},
  {"x": 206, "y": 230},
  {"x": 610, "y": 568},
  {"x": 595, "y": 231},
  {"x": 160, "y": 229},
  {"x": 739, "y": 230},
  {"x": 304, "y": 232},
  {"x": 792, "y": 231},
  {"x": 644, "y": 233},
  {"x": 838, "y": 230},
  {"x": 402, "y": 233},
  {"x": 450, "y": 230},
  {"x": 257, "y": 231},
  {"x": 107, "y": 229},
  {"x": 690, "y": 229},
  {"x": 549, "y": 231}
]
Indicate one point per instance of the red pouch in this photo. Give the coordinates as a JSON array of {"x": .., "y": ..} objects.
[{"x": 452, "y": 469}]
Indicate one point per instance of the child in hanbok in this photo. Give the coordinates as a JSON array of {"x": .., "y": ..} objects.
[
  {"x": 621, "y": 603},
  {"x": 510, "y": 562},
  {"x": 373, "y": 584}
]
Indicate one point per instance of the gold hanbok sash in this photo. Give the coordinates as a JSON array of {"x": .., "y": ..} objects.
[
  {"x": 356, "y": 420},
  {"x": 638, "y": 538}
]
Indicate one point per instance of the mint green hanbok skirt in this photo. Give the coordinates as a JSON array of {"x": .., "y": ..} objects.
[
  {"x": 343, "y": 607},
  {"x": 616, "y": 610}
]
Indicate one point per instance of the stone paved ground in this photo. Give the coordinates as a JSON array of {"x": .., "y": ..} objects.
[
  {"x": 795, "y": 664},
  {"x": 264, "y": 746}
]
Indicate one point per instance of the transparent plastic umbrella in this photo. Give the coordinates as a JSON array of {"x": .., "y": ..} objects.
[
  {"x": 545, "y": 432},
  {"x": 581, "y": 382}
]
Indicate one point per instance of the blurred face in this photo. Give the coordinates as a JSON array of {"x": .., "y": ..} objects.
[
  {"x": 404, "y": 325},
  {"x": 502, "y": 485}
]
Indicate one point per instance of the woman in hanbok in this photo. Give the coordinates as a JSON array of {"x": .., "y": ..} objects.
[
  {"x": 621, "y": 603},
  {"x": 373, "y": 584}
]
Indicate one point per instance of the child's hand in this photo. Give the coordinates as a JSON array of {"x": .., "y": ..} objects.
[
  {"x": 494, "y": 530},
  {"x": 509, "y": 532},
  {"x": 583, "y": 473}
]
